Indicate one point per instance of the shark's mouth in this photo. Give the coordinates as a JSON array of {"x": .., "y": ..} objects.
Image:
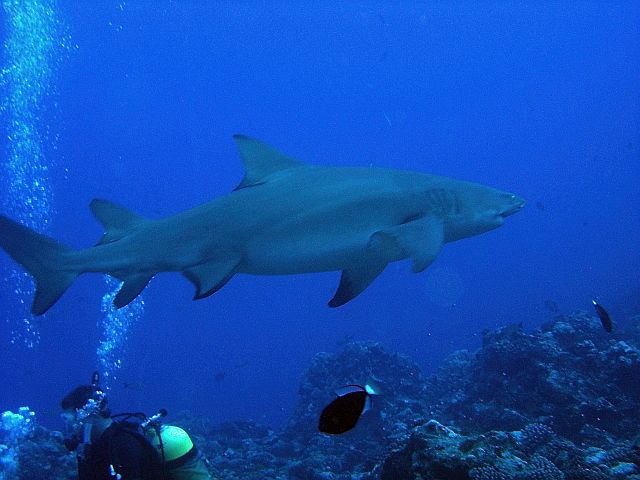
[{"x": 517, "y": 205}]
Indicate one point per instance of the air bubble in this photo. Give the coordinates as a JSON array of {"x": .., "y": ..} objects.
[
  {"x": 115, "y": 327},
  {"x": 31, "y": 56}
]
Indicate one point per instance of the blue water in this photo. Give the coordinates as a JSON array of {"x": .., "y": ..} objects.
[{"x": 539, "y": 99}]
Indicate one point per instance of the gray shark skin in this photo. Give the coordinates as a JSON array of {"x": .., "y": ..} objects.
[{"x": 285, "y": 217}]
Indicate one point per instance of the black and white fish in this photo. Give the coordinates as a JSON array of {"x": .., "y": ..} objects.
[
  {"x": 607, "y": 324},
  {"x": 343, "y": 413}
]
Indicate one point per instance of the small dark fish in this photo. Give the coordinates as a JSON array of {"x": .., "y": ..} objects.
[
  {"x": 343, "y": 413},
  {"x": 135, "y": 386},
  {"x": 607, "y": 324},
  {"x": 551, "y": 306},
  {"x": 347, "y": 339},
  {"x": 241, "y": 364},
  {"x": 219, "y": 377}
]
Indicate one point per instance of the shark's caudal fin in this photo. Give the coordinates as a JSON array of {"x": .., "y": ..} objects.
[{"x": 42, "y": 257}]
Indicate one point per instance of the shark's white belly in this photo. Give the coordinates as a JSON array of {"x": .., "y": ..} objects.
[
  {"x": 312, "y": 253},
  {"x": 310, "y": 246}
]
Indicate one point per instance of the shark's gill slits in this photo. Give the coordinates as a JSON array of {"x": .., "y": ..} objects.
[{"x": 442, "y": 202}]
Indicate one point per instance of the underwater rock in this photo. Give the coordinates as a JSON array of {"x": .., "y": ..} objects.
[
  {"x": 568, "y": 374},
  {"x": 43, "y": 455},
  {"x": 535, "y": 452},
  {"x": 433, "y": 454},
  {"x": 29, "y": 451},
  {"x": 14, "y": 428}
]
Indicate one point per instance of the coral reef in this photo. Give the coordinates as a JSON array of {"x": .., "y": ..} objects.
[
  {"x": 42, "y": 454},
  {"x": 497, "y": 455},
  {"x": 560, "y": 403},
  {"x": 13, "y": 428},
  {"x": 29, "y": 451},
  {"x": 569, "y": 374}
]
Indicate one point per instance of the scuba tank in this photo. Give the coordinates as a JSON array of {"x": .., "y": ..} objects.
[{"x": 173, "y": 443}]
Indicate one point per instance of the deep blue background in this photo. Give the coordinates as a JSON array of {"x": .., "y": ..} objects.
[{"x": 541, "y": 99}]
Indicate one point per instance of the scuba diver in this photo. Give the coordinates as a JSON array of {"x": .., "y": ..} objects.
[{"x": 129, "y": 446}]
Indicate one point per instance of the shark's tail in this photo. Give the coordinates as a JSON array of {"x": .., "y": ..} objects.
[{"x": 44, "y": 258}]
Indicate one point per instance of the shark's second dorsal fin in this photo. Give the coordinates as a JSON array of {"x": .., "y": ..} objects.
[
  {"x": 115, "y": 219},
  {"x": 260, "y": 160}
]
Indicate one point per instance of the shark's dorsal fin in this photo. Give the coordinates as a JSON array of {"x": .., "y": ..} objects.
[
  {"x": 115, "y": 219},
  {"x": 260, "y": 161}
]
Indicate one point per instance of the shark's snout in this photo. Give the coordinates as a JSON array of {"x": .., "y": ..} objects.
[{"x": 514, "y": 205}]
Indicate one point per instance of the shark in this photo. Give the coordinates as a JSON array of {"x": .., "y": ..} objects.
[{"x": 285, "y": 217}]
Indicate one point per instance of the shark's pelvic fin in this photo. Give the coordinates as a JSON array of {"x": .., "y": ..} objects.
[
  {"x": 354, "y": 280},
  {"x": 421, "y": 240},
  {"x": 261, "y": 160},
  {"x": 210, "y": 277},
  {"x": 130, "y": 289},
  {"x": 115, "y": 219}
]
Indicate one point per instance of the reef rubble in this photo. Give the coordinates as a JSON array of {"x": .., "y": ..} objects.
[{"x": 561, "y": 402}]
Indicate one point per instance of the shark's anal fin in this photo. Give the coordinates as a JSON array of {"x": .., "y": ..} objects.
[
  {"x": 115, "y": 219},
  {"x": 354, "y": 280},
  {"x": 130, "y": 289},
  {"x": 210, "y": 277},
  {"x": 421, "y": 240},
  {"x": 260, "y": 160}
]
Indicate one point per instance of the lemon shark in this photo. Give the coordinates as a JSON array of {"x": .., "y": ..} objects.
[{"x": 285, "y": 217}]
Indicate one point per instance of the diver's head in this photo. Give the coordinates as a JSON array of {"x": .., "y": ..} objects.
[
  {"x": 78, "y": 398},
  {"x": 85, "y": 404},
  {"x": 86, "y": 400}
]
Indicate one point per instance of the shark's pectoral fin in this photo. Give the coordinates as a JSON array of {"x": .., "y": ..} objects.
[
  {"x": 354, "y": 280},
  {"x": 115, "y": 219},
  {"x": 260, "y": 161},
  {"x": 130, "y": 289},
  {"x": 421, "y": 240},
  {"x": 210, "y": 277}
]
